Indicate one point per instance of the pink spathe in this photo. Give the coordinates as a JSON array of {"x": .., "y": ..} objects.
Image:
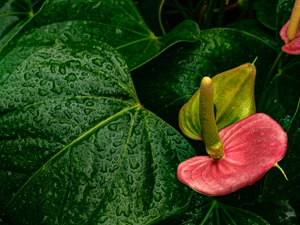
[
  {"x": 291, "y": 47},
  {"x": 252, "y": 146}
]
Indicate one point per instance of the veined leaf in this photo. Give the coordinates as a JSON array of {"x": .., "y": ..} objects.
[
  {"x": 76, "y": 145},
  {"x": 233, "y": 93},
  {"x": 115, "y": 22}
]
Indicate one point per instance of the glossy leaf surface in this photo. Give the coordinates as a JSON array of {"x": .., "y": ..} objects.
[
  {"x": 115, "y": 22},
  {"x": 281, "y": 100},
  {"x": 252, "y": 146},
  {"x": 205, "y": 211},
  {"x": 233, "y": 93},
  {"x": 76, "y": 145},
  {"x": 168, "y": 82}
]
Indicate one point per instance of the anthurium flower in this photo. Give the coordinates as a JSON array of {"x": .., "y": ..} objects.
[
  {"x": 291, "y": 46},
  {"x": 252, "y": 146},
  {"x": 290, "y": 32},
  {"x": 239, "y": 154}
]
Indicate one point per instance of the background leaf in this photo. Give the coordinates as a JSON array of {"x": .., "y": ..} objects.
[
  {"x": 76, "y": 145},
  {"x": 204, "y": 210},
  {"x": 266, "y": 13},
  {"x": 253, "y": 26},
  {"x": 115, "y": 22},
  {"x": 168, "y": 82},
  {"x": 276, "y": 213},
  {"x": 281, "y": 101},
  {"x": 151, "y": 12}
]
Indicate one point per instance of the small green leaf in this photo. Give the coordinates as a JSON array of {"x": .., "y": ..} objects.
[
  {"x": 76, "y": 145},
  {"x": 233, "y": 93},
  {"x": 117, "y": 23}
]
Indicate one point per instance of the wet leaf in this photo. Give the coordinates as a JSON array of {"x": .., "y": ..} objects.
[
  {"x": 204, "y": 210},
  {"x": 281, "y": 100},
  {"x": 115, "y": 22},
  {"x": 76, "y": 145},
  {"x": 233, "y": 93}
]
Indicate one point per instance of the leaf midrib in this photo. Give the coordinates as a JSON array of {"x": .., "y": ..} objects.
[{"x": 78, "y": 139}]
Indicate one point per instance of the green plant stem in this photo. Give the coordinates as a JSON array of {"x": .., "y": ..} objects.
[
  {"x": 209, "y": 130},
  {"x": 182, "y": 11},
  {"x": 209, "y": 13},
  {"x": 273, "y": 68}
]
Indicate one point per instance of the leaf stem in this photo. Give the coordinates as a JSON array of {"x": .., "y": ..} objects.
[
  {"x": 273, "y": 68},
  {"x": 209, "y": 13},
  {"x": 209, "y": 130}
]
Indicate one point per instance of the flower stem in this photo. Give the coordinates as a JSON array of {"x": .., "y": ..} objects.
[{"x": 209, "y": 130}]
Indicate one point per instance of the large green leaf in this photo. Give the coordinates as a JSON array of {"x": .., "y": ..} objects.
[
  {"x": 281, "y": 101},
  {"x": 76, "y": 145},
  {"x": 204, "y": 210},
  {"x": 169, "y": 81},
  {"x": 115, "y": 22}
]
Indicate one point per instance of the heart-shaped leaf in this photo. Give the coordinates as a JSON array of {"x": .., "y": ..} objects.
[
  {"x": 115, "y": 22},
  {"x": 233, "y": 93},
  {"x": 252, "y": 146},
  {"x": 76, "y": 145}
]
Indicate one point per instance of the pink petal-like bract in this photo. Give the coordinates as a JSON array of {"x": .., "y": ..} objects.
[
  {"x": 292, "y": 47},
  {"x": 252, "y": 146}
]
